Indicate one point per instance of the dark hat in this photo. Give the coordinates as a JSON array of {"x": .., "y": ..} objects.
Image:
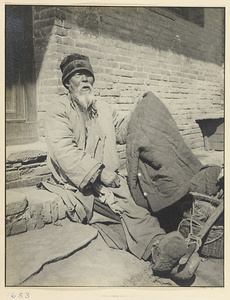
[{"x": 72, "y": 63}]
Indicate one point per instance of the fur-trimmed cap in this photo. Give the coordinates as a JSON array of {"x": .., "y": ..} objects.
[{"x": 72, "y": 63}]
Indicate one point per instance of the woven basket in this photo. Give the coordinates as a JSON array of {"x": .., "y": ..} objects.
[{"x": 213, "y": 242}]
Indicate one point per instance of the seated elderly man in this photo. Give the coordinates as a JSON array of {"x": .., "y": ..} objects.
[{"x": 81, "y": 135}]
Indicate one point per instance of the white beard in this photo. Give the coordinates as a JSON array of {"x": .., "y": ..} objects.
[{"x": 84, "y": 101}]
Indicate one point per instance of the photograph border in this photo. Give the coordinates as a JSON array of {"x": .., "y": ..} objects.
[{"x": 119, "y": 292}]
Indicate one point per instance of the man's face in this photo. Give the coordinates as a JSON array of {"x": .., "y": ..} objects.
[{"x": 81, "y": 88}]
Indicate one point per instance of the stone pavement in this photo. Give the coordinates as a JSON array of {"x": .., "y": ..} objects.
[
  {"x": 56, "y": 258},
  {"x": 28, "y": 253}
]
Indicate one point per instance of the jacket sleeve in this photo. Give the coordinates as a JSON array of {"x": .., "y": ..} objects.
[{"x": 77, "y": 165}]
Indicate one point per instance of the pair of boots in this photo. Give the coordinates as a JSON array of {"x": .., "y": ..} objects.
[{"x": 171, "y": 256}]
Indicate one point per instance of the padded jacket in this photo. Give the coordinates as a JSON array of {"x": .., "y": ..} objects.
[
  {"x": 159, "y": 163},
  {"x": 74, "y": 155}
]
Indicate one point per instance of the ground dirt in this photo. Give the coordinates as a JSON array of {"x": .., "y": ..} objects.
[{"x": 97, "y": 265}]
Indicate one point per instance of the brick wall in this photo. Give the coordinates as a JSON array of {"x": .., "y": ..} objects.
[{"x": 133, "y": 50}]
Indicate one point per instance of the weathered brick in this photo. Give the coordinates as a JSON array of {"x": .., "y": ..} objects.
[
  {"x": 46, "y": 31},
  {"x": 111, "y": 64},
  {"x": 54, "y": 211},
  {"x": 17, "y": 165},
  {"x": 26, "y": 182},
  {"x": 125, "y": 59},
  {"x": 154, "y": 77},
  {"x": 58, "y": 39},
  {"x": 40, "y": 223},
  {"x": 140, "y": 75},
  {"x": 19, "y": 227},
  {"x": 26, "y": 172},
  {"x": 89, "y": 45},
  {"x": 61, "y": 210},
  {"x": 60, "y": 23},
  {"x": 26, "y": 156},
  {"x": 63, "y": 49},
  {"x": 8, "y": 229},
  {"x": 12, "y": 175},
  {"x": 16, "y": 202},
  {"x": 127, "y": 67},
  {"x": 47, "y": 212},
  {"x": 60, "y": 31},
  {"x": 48, "y": 12},
  {"x": 31, "y": 224},
  {"x": 38, "y": 24},
  {"x": 35, "y": 209},
  {"x": 9, "y": 166},
  {"x": 113, "y": 93},
  {"x": 36, "y": 213},
  {"x": 41, "y": 171},
  {"x": 68, "y": 41},
  {"x": 108, "y": 71}
]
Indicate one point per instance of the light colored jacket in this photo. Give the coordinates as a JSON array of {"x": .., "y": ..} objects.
[{"x": 75, "y": 154}]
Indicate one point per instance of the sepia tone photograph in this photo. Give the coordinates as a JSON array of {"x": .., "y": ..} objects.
[{"x": 114, "y": 146}]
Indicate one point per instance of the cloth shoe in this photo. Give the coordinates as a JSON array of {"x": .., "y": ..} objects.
[
  {"x": 186, "y": 271},
  {"x": 166, "y": 252}
]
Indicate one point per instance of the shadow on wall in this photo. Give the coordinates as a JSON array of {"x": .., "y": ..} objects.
[
  {"x": 19, "y": 52},
  {"x": 184, "y": 31}
]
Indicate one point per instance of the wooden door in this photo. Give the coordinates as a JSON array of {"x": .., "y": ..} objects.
[{"x": 20, "y": 94}]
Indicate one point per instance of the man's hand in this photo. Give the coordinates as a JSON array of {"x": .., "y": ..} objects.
[{"x": 109, "y": 178}]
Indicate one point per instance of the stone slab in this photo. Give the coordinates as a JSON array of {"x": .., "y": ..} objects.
[
  {"x": 96, "y": 265},
  {"x": 39, "y": 145},
  {"x": 12, "y": 175},
  {"x": 16, "y": 202},
  {"x": 100, "y": 266},
  {"x": 25, "y": 156},
  {"x": 19, "y": 227},
  {"x": 27, "y": 253},
  {"x": 26, "y": 182}
]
